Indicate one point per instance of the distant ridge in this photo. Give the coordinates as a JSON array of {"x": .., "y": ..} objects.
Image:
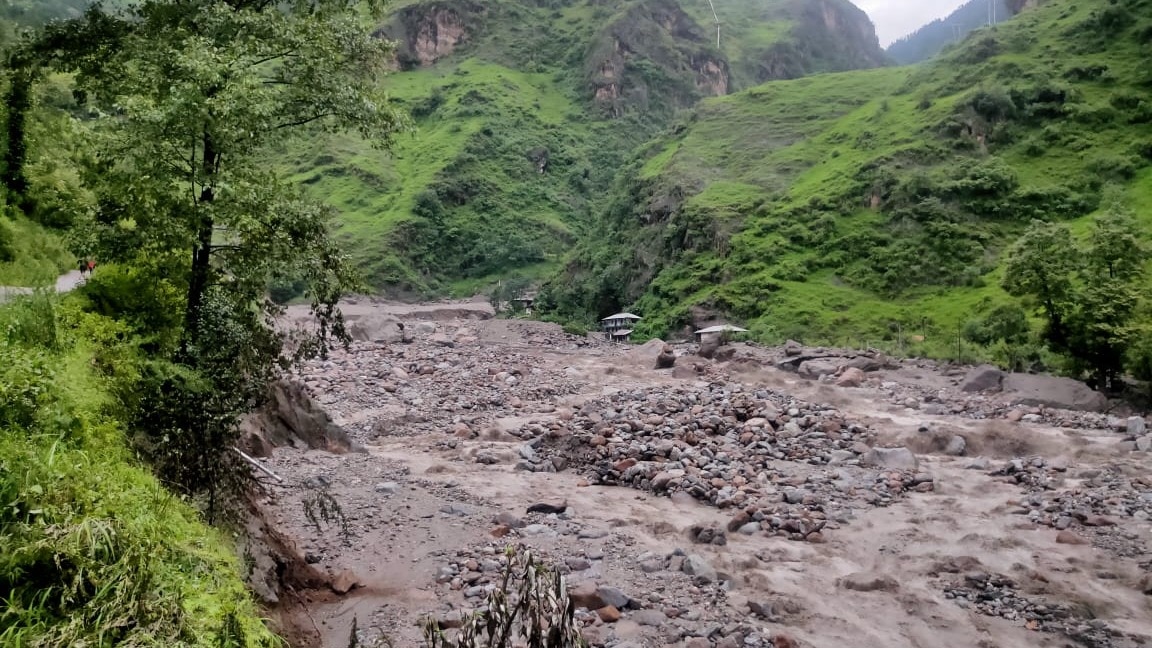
[{"x": 926, "y": 42}]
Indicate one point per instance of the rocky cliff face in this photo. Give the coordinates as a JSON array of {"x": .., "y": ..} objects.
[
  {"x": 827, "y": 36},
  {"x": 654, "y": 56},
  {"x": 427, "y": 33}
]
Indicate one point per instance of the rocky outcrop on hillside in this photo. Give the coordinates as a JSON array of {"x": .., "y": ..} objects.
[
  {"x": 429, "y": 32},
  {"x": 686, "y": 66},
  {"x": 827, "y": 36}
]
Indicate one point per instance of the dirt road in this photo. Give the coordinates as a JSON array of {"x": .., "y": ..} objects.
[{"x": 64, "y": 283}]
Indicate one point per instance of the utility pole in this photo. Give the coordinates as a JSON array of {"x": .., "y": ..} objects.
[{"x": 717, "y": 20}]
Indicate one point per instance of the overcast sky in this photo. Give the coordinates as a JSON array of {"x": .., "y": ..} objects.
[{"x": 896, "y": 18}]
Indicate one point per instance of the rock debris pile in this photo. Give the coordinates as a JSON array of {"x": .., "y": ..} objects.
[
  {"x": 1091, "y": 502},
  {"x": 678, "y": 597},
  {"x": 733, "y": 448},
  {"x": 431, "y": 384},
  {"x": 999, "y": 596}
]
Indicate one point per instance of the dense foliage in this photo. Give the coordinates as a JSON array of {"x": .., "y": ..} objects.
[
  {"x": 138, "y": 132},
  {"x": 1088, "y": 291},
  {"x": 183, "y": 201}
]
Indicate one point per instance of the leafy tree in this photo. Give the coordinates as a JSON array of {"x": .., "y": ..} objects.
[
  {"x": 198, "y": 90},
  {"x": 1089, "y": 293},
  {"x": 1139, "y": 353},
  {"x": 1040, "y": 265},
  {"x": 1007, "y": 323}
]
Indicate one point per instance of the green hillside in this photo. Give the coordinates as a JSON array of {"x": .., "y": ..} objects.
[
  {"x": 862, "y": 203},
  {"x": 525, "y": 111}
]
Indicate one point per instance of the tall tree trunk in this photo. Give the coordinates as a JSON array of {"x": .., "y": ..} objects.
[
  {"x": 18, "y": 99},
  {"x": 201, "y": 255}
]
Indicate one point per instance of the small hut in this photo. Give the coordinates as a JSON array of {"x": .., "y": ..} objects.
[
  {"x": 619, "y": 327},
  {"x": 524, "y": 302},
  {"x": 622, "y": 335},
  {"x": 721, "y": 331}
]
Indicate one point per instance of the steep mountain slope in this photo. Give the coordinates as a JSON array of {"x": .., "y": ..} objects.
[
  {"x": 866, "y": 202},
  {"x": 926, "y": 42},
  {"x": 524, "y": 110}
]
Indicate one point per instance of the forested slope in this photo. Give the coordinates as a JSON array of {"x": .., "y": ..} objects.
[
  {"x": 524, "y": 112},
  {"x": 863, "y": 203}
]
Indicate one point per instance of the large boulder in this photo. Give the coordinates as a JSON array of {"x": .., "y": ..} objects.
[
  {"x": 869, "y": 363},
  {"x": 869, "y": 582},
  {"x": 982, "y": 378},
  {"x": 709, "y": 344},
  {"x": 291, "y": 418},
  {"x": 646, "y": 354},
  {"x": 376, "y": 328},
  {"x": 852, "y": 377},
  {"x": 890, "y": 458},
  {"x": 816, "y": 368},
  {"x": 667, "y": 358},
  {"x": 1052, "y": 391}
]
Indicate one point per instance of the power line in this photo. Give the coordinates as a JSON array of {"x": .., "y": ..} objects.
[{"x": 717, "y": 19}]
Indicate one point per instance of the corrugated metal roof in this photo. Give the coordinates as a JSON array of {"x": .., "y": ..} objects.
[
  {"x": 721, "y": 328},
  {"x": 622, "y": 316}
]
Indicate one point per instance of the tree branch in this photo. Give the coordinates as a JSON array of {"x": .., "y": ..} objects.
[
  {"x": 261, "y": 61},
  {"x": 305, "y": 120}
]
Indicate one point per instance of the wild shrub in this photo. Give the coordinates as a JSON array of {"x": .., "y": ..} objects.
[
  {"x": 1116, "y": 167},
  {"x": 1043, "y": 100},
  {"x": 1005, "y": 323},
  {"x": 30, "y": 322},
  {"x": 1112, "y": 20},
  {"x": 26, "y": 385},
  {"x": 992, "y": 104},
  {"x": 980, "y": 50},
  {"x": 7, "y": 244},
  {"x": 529, "y": 607},
  {"x": 1086, "y": 72}
]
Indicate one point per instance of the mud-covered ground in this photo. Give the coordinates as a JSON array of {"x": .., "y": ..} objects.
[{"x": 717, "y": 503}]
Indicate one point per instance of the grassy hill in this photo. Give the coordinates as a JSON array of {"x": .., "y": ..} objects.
[
  {"x": 860, "y": 204},
  {"x": 524, "y": 112}
]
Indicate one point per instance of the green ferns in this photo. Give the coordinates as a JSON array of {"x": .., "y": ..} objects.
[{"x": 93, "y": 550}]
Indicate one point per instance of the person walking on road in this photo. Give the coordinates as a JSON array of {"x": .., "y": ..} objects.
[{"x": 83, "y": 267}]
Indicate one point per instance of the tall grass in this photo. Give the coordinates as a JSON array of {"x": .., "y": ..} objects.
[
  {"x": 93, "y": 550},
  {"x": 30, "y": 255}
]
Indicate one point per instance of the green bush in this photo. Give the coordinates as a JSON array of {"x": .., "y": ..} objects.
[
  {"x": 26, "y": 386},
  {"x": 576, "y": 328},
  {"x": 30, "y": 322},
  {"x": 1006, "y": 323},
  {"x": 994, "y": 105},
  {"x": 1116, "y": 167},
  {"x": 1112, "y": 20},
  {"x": 141, "y": 298},
  {"x": 7, "y": 243}
]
